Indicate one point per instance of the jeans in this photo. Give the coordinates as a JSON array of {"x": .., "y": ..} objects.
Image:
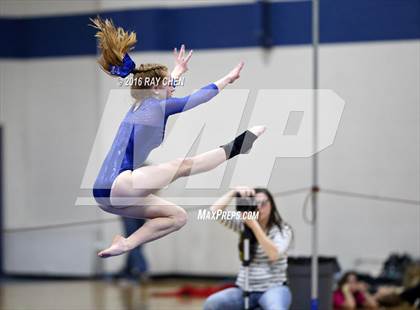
[
  {"x": 136, "y": 262},
  {"x": 275, "y": 298}
]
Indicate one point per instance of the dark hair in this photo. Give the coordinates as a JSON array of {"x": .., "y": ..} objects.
[
  {"x": 274, "y": 219},
  {"x": 344, "y": 278}
]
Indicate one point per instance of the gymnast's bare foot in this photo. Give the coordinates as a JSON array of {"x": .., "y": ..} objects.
[
  {"x": 257, "y": 130},
  {"x": 119, "y": 246}
]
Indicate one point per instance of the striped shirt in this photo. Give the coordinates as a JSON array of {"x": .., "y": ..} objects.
[{"x": 264, "y": 274}]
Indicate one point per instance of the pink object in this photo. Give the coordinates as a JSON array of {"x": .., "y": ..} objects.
[{"x": 338, "y": 299}]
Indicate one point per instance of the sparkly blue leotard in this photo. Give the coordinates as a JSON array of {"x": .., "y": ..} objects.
[{"x": 140, "y": 132}]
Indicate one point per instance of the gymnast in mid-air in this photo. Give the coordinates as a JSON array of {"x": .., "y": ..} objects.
[{"x": 125, "y": 187}]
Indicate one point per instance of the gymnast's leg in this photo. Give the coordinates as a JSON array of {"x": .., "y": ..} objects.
[
  {"x": 164, "y": 218},
  {"x": 146, "y": 180},
  {"x": 127, "y": 199}
]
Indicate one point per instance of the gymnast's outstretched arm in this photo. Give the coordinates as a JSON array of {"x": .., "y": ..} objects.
[{"x": 177, "y": 105}]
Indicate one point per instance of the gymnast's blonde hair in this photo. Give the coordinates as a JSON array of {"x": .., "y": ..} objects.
[{"x": 114, "y": 42}]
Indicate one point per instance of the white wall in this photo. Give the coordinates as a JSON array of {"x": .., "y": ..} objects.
[{"x": 51, "y": 117}]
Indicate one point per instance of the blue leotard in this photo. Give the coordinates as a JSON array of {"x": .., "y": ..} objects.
[{"x": 140, "y": 132}]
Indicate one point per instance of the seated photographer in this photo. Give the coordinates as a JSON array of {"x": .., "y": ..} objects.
[{"x": 268, "y": 252}]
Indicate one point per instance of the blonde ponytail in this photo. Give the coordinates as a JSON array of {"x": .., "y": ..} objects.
[{"x": 113, "y": 42}]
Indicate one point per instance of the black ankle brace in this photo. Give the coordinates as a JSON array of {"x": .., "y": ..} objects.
[{"x": 241, "y": 145}]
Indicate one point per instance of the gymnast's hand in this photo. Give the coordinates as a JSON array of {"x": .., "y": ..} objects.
[
  {"x": 181, "y": 62},
  {"x": 231, "y": 77},
  {"x": 235, "y": 73}
]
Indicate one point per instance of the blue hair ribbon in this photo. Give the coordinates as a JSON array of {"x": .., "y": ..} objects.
[{"x": 125, "y": 69}]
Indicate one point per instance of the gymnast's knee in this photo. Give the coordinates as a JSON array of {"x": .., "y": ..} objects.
[{"x": 180, "y": 218}]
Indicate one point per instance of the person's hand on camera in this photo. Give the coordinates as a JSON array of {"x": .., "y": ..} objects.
[
  {"x": 252, "y": 224},
  {"x": 244, "y": 191}
]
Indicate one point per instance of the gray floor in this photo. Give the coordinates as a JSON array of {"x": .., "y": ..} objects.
[{"x": 89, "y": 295}]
